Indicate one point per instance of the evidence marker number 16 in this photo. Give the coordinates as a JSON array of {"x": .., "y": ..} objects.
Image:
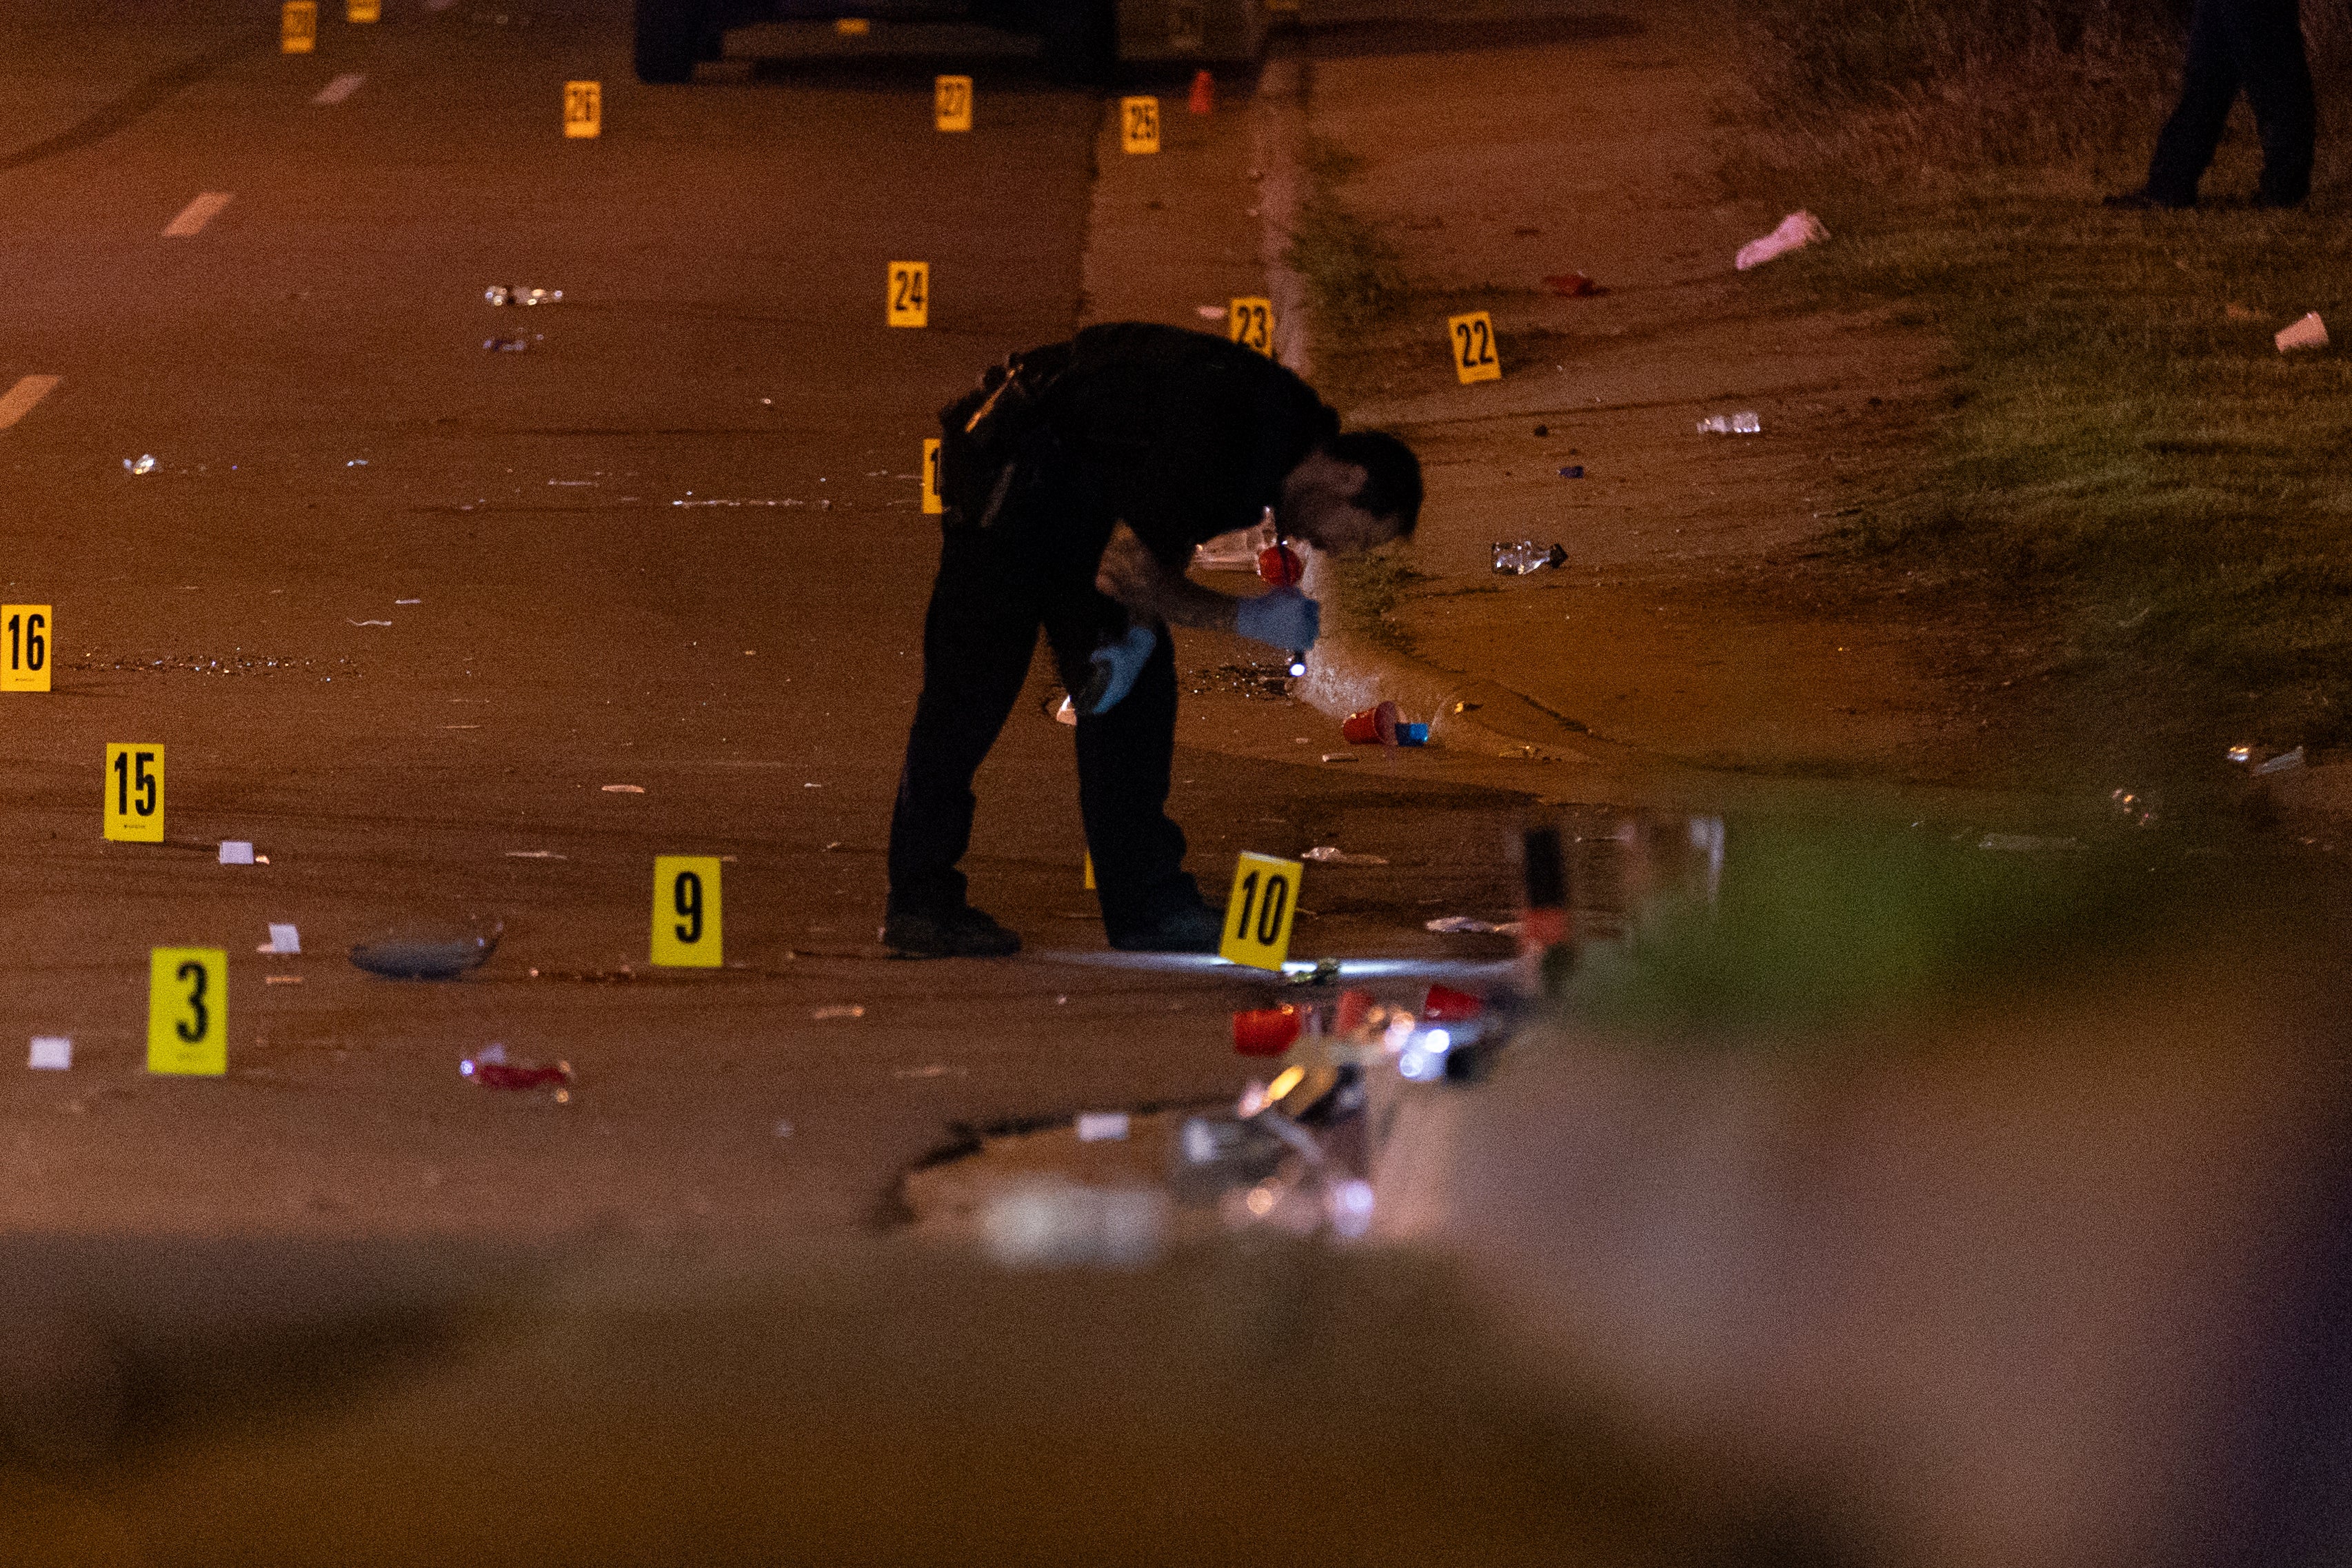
[
  {"x": 30, "y": 630},
  {"x": 134, "y": 793},
  {"x": 686, "y": 912},
  {"x": 1259, "y": 915}
]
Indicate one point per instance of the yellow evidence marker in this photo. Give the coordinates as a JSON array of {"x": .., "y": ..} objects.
[
  {"x": 1259, "y": 914},
  {"x": 853, "y": 26},
  {"x": 30, "y": 630},
  {"x": 1472, "y": 339},
  {"x": 686, "y": 912},
  {"x": 187, "y": 1011},
  {"x": 1139, "y": 124},
  {"x": 910, "y": 293},
  {"x": 363, "y": 10},
  {"x": 134, "y": 793},
  {"x": 584, "y": 108},
  {"x": 932, "y": 503},
  {"x": 298, "y": 27},
  {"x": 951, "y": 102},
  {"x": 1250, "y": 323}
]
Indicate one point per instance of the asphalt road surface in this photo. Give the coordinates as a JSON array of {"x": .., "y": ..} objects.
[{"x": 400, "y": 610}]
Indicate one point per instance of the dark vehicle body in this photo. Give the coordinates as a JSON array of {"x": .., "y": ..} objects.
[{"x": 1082, "y": 40}]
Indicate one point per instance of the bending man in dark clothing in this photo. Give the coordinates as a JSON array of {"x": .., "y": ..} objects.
[
  {"x": 2256, "y": 45},
  {"x": 1078, "y": 481}
]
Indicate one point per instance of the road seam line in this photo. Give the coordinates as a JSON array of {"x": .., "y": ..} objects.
[
  {"x": 341, "y": 87},
  {"x": 20, "y": 399},
  {"x": 196, "y": 214}
]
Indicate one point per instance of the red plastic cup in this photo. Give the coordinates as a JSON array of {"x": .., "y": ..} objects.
[
  {"x": 1266, "y": 1031},
  {"x": 1444, "y": 1005},
  {"x": 1279, "y": 564},
  {"x": 1372, "y": 725}
]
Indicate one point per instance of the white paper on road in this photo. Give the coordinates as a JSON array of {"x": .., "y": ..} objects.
[
  {"x": 196, "y": 214},
  {"x": 20, "y": 398},
  {"x": 52, "y": 1053},
  {"x": 341, "y": 87}
]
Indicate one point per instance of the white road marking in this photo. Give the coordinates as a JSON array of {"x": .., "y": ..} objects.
[
  {"x": 341, "y": 87},
  {"x": 20, "y": 398},
  {"x": 196, "y": 214}
]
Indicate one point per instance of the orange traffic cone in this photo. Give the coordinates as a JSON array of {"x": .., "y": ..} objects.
[{"x": 1204, "y": 92}]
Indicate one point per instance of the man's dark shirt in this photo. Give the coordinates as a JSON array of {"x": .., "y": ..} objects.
[{"x": 1180, "y": 435}]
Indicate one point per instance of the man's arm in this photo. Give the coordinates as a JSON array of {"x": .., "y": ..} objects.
[{"x": 1133, "y": 576}]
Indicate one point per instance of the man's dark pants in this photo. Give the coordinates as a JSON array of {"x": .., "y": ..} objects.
[
  {"x": 2256, "y": 45},
  {"x": 996, "y": 589}
]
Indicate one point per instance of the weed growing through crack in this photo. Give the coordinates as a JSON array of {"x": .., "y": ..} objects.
[{"x": 1353, "y": 275}]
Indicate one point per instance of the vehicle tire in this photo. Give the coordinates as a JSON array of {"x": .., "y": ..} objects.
[
  {"x": 670, "y": 38},
  {"x": 1081, "y": 39}
]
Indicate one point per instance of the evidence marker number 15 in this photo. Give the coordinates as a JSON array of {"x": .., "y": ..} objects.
[
  {"x": 1259, "y": 914},
  {"x": 134, "y": 793}
]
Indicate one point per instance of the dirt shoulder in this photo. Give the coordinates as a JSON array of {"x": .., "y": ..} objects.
[{"x": 1691, "y": 622}]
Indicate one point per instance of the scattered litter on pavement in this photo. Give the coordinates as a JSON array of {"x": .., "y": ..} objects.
[
  {"x": 1279, "y": 566},
  {"x": 838, "y": 1010},
  {"x": 235, "y": 852},
  {"x": 367, "y": 623},
  {"x": 1339, "y": 756},
  {"x": 1067, "y": 713},
  {"x": 1102, "y": 1126},
  {"x": 2023, "y": 843},
  {"x": 784, "y": 1130},
  {"x": 356, "y": 463},
  {"x": 1234, "y": 552},
  {"x": 2310, "y": 332},
  {"x": 1212, "y": 312},
  {"x": 1332, "y": 854},
  {"x": 281, "y": 980},
  {"x": 408, "y": 601},
  {"x": 1573, "y": 471},
  {"x": 284, "y": 940},
  {"x": 2136, "y": 808},
  {"x": 1797, "y": 230},
  {"x": 2241, "y": 753},
  {"x": 1542, "y": 430},
  {"x": 52, "y": 1053},
  {"x": 1470, "y": 925},
  {"x": 624, "y": 789},
  {"x": 1371, "y": 726},
  {"x": 424, "y": 958},
  {"x": 1744, "y": 423},
  {"x": 2285, "y": 763},
  {"x": 1573, "y": 286},
  {"x": 1516, "y": 560},
  {"x": 507, "y": 345},
  {"x": 1051, "y": 1224},
  {"x": 489, "y": 1068},
  {"x": 535, "y": 854},
  {"x": 512, "y": 294},
  {"x": 142, "y": 464},
  {"x": 935, "y": 1069}
]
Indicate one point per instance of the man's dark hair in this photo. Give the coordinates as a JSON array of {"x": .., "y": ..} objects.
[{"x": 1391, "y": 476}]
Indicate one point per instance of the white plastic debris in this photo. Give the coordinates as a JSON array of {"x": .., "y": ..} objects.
[
  {"x": 52, "y": 1053},
  {"x": 839, "y": 1010},
  {"x": 2285, "y": 763},
  {"x": 624, "y": 789},
  {"x": 2310, "y": 332},
  {"x": 1102, "y": 1126},
  {"x": 1067, "y": 713},
  {"x": 235, "y": 852},
  {"x": 283, "y": 939},
  {"x": 1460, "y": 925},
  {"x": 1797, "y": 230},
  {"x": 1051, "y": 1224},
  {"x": 1744, "y": 423},
  {"x": 1332, "y": 854},
  {"x": 142, "y": 464}
]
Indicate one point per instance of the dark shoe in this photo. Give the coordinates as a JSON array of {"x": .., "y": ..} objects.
[
  {"x": 1195, "y": 928},
  {"x": 2145, "y": 200},
  {"x": 963, "y": 933}
]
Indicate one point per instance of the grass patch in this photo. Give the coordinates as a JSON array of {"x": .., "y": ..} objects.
[
  {"x": 2124, "y": 445},
  {"x": 1353, "y": 275}
]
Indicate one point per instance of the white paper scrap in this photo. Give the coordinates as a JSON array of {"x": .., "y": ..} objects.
[
  {"x": 1101, "y": 1126},
  {"x": 53, "y": 1052},
  {"x": 235, "y": 852},
  {"x": 284, "y": 938}
]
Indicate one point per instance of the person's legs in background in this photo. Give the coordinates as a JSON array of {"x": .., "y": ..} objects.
[
  {"x": 2209, "y": 85},
  {"x": 2277, "y": 75}
]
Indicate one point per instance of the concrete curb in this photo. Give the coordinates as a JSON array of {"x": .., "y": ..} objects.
[{"x": 1345, "y": 673}]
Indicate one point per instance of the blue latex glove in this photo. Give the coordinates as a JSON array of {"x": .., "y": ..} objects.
[
  {"x": 1116, "y": 664},
  {"x": 1285, "y": 618}
]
